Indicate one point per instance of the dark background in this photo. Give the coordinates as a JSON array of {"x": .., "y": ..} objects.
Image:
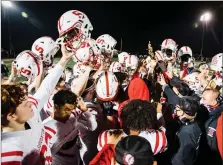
[{"x": 135, "y": 22}]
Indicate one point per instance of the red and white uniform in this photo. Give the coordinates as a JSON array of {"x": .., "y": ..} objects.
[
  {"x": 63, "y": 144},
  {"x": 31, "y": 146},
  {"x": 157, "y": 139},
  {"x": 62, "y": 130}
]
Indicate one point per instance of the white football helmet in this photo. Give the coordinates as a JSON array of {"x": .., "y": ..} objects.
[
  {"x": 159, "y": 55},
  {"x": 94, "y": 46},
  {"x": 45, "y": 47},
  {"x": 193, "y": 81},
  {"x": 107, "y": 86},
  {"x": 78, "y": 69},
  {"x": 87, "y": 53},
  {"x": 169, "y": 49},
  {"x": 27, "y": 63},
  {"x": 115, "y": 67},
  {"x": 122, "y": 57},
  {"x": 132, "y": 64},
  {"x": 74, "y": 28},
  {"x": 107, "y": 44},
  {"x": 184, "y": 55},
  {"x": 216, "y": 63}
]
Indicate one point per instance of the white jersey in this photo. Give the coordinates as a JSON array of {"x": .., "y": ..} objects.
[
  {"x": 63, "y": 144},
  {"x": 66, "y": 153},
  {"x": 157, "y": 139},
  {"x": 31, "y": 146}
]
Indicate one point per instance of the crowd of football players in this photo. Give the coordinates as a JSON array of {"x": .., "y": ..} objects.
[{"x": 166, "y": 109}]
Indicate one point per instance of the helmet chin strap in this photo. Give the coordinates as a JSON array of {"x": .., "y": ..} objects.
[{"x": 184, "y": 66}]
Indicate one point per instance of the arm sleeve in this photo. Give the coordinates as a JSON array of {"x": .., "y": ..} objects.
[
  {"x": 47, "y": 87},
  {"x": 88, "y": 120},
  {"x": 172, "y": 98}
]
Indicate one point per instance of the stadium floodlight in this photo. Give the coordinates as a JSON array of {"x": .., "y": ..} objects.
[
  {"x": 205, "y": 17},
  {"x": 24, "y": 14},
  {"x": 7, "y": 4}
]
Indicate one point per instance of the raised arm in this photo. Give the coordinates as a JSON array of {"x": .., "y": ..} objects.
[{"x": 49, "y": 83}]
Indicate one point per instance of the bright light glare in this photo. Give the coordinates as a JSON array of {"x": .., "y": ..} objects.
[
  {"x": 205, "y": 17},
  {"x": 195, "y": 25},
  {"x": 24, "y": 15},
  {"x": 7, "y": 4}
]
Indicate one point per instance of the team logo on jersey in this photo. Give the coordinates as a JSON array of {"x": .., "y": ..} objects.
[
  {"x": 211, "y": 131},
  {"x": 128, "y": 159}
]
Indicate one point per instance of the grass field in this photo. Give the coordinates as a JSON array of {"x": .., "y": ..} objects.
[
  {"x": 8, "y": 62},
  {"x": 71, "y": 63}
]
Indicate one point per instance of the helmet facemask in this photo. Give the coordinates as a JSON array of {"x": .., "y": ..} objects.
[
  {"x": 185, "y": 60},
  {"x": 106, "y": 61},
  {"x": 168, "y": 54},
  {"x": 72, "y": 39},
  {"x": 130, "y": 70},
  {"x": 107, "y": 51},
  {"x": 49, "y": 58}
]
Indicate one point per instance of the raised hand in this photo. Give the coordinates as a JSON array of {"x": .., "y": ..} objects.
[{"x": 66, "y": 53}]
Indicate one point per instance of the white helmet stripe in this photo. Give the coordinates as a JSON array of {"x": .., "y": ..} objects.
[
  {"x": 113, "y": 67},
  {"x": 36, "y": 62},
  {"x": 166, "y": 42}
]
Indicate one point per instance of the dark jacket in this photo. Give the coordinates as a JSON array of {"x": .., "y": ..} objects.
[
  {"x": 172, "y": 97},
  {"x": 210, "y": 132},
  {"x": 209, "y": 152},
  {"x": 189, "y": 140}
]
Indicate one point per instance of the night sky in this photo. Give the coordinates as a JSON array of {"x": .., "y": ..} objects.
[{"x": 135, "y": 22}]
